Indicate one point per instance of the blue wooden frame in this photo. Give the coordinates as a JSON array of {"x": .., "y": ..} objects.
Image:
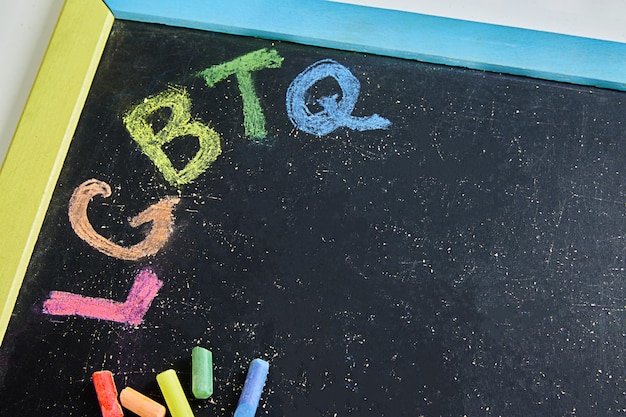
[{"x": 421, "y": 37}]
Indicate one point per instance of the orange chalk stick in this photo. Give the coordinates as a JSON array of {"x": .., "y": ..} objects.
[
  {"x": 107, "y": 394},
  {"x": 140, "y": 404}
]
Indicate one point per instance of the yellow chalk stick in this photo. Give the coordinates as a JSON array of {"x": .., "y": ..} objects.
[
  {"x": 140, "y": 404},
  {"x": 174, "y": 395}
]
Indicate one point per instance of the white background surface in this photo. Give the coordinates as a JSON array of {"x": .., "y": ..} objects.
[
  {"x": 26, "y": 26},
  {"x": 25, "y": 29},
  {"x": 599, "y": 19}
]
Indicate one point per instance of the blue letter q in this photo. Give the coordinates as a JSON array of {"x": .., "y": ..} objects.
[{"x": 335, "y": 113}]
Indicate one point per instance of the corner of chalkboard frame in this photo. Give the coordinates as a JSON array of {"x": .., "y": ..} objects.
[
  {"x": 39, "y": 145},
  {"x": 28, "y": 178}
]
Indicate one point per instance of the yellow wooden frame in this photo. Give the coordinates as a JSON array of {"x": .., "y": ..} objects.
[{"x": 33, "y": 162}]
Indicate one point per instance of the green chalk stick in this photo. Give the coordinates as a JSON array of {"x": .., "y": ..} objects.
[
  {"x": 201, "y": 373},
  {"x": 173, "y": 393}
]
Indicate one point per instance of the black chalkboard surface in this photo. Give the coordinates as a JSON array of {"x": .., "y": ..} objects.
[{"x": 395, "y": 238}]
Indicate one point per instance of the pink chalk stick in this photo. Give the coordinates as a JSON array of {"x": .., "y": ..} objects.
[{"x": 132, "y": 311}]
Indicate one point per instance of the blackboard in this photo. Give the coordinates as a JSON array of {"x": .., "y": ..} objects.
[{"x": 453, "y": 247}]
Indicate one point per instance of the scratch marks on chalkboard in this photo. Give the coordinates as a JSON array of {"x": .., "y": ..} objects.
[
  {"x": 600, "y": 199},
  {"x": 436, "y": 144},
  {"x": 159, "y": 214},
  {"x": 234, "y": 240},
  {"x": 132, "y": 311},
  {"x": 368, "y": 153}
]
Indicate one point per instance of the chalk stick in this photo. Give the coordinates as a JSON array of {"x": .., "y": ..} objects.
[
  {"x": 173, "y": 393},
  {"x": 140, "y": 404},
  {"x": 201, "y": 373},
  {"x": 252, "y": 388},
  {"x": 107, "y": 394}
]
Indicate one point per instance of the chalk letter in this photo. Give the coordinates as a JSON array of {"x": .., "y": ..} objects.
[
  {"x": 159, "y": 214},
  {"x": 140, "y": 296},
  {"x": 335, "y": 113},
  {"x": 179, "y": 125},
  {"x": 253, "y": 118}
]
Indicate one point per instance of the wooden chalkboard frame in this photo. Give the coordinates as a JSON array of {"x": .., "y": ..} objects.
[
  {"x": 432, "y": 39},
  {"x": 37, "y": 152}
]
